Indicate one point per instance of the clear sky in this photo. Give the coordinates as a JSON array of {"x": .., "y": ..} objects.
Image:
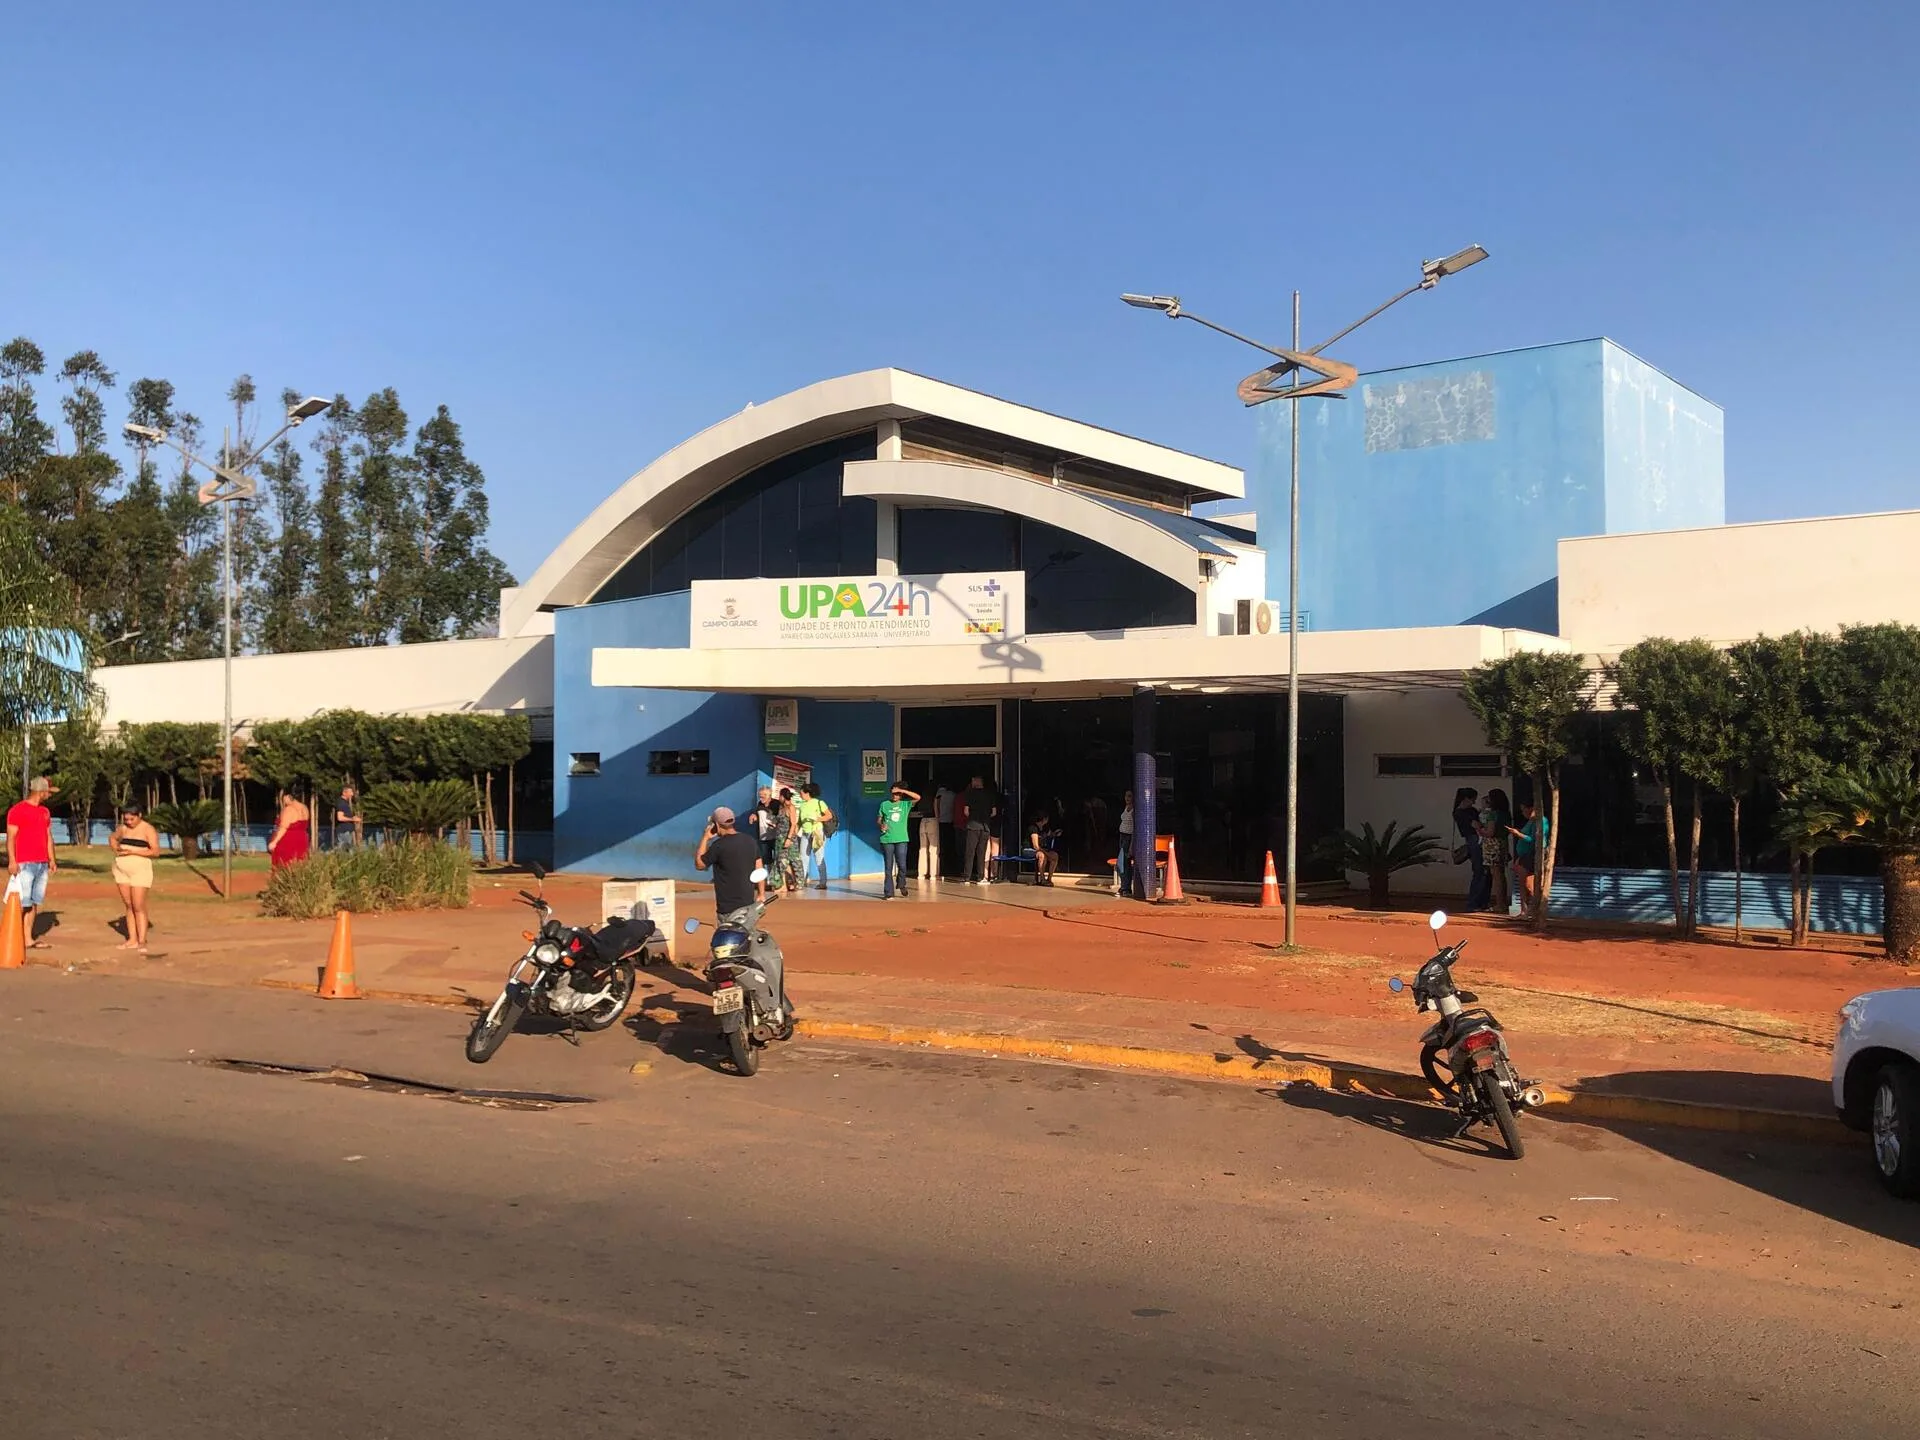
[{"x": 593, "y": 229}]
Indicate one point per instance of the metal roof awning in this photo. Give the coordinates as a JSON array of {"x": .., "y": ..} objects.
[{"x": 1079, "y": 667}]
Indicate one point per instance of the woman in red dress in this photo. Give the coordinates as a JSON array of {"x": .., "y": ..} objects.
[{"x": 290, "y": 837}]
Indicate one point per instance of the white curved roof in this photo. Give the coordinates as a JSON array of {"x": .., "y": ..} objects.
[{"x": 628, "y": 519}]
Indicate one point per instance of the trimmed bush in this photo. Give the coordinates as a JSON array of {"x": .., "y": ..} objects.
[{"x": 409, "y": 874}]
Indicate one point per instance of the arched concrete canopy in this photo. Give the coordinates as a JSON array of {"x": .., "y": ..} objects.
[
  {"x": 1134, "y": 531},
  {"x": 628, "y": 519}
]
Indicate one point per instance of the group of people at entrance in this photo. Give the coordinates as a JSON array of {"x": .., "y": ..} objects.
[
  {"x": 792, "y": 829},
  {"x": 1504, "y": 857}
]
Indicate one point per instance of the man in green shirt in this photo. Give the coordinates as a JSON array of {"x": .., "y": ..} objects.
[{"x": 894, "y": 811}]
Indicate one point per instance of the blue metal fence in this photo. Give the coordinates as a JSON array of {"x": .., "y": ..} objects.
[
  {"x": 528, "y": 845},
  {"x": 1844, "y": 904}
]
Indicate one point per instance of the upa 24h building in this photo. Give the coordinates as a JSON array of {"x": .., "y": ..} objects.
[{"x": 884, "y": 575}]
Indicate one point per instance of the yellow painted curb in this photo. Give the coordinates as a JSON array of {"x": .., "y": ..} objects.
[{"x": 1341, "y": 1079}]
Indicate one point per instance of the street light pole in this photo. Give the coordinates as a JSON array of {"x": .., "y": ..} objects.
[
  {"x": 230, "y": 484},
  {"x": 1293, "y": 655},
  {"x": 1258, "y": 388}
]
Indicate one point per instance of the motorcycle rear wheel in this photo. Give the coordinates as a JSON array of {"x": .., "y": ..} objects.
[
  {"x": 1503, "y": 1116},
  {"x": 746, "y": 1055},
  {"x": 608, "y": 1011},
  {"x": 490, "y": 1031}
]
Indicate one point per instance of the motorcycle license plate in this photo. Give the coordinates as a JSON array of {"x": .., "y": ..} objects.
[
  {"x": 1483, "y": 1059},
  {"x": 729, "y": 999}
]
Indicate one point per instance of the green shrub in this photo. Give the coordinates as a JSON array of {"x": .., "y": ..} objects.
[
  {"x": 409, "y": 874},
  {"x": 1379, "y": 856},
  {"x": 187, "y": 821},
  {"x": 420, "y": 807}
]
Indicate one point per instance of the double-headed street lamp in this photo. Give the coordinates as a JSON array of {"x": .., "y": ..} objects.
[
  {"x": 230, "y": 483},
  {"x": 1330, "y": 377}
]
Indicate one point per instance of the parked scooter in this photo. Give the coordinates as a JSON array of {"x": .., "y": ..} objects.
[
  {"x": 1464, "y": 1053},
  {"x": 748, "y": 976},
  {"x": 573, "y": 972}
]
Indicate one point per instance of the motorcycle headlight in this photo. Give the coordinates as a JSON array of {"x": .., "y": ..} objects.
[{"x": 547, "y": 953}]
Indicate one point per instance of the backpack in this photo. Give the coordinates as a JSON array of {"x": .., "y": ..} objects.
[{"x": 829, "y": 822}]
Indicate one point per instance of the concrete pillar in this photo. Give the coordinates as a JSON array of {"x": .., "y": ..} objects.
[
  {"x": 1146, "y": 793},
  {"x": 886, "y": 540}
]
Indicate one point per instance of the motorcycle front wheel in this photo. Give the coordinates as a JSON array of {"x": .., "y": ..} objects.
[
  {"x": 490, "y": 1031},
  {"x": 1496, "y": 1099}
]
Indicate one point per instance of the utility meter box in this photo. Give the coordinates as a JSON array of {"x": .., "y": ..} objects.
[{"x": 622, "y": 897}]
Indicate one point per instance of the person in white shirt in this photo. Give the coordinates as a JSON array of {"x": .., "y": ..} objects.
[{"x": 1123, "y": 868}]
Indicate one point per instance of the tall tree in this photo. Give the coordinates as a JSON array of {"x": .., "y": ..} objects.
[
  {"x": 382, "y": 561},
  {"x": 332, "y": 611},
  {"x": 25, "y": 439},
  {"x": 46, "y": 646},
  {"x": 1528, "y": 704},
  {"x": 282, "y": 619},
  {"x": 193, "y": 594},
  {"x": 459, "y": 579},
  {"x": 1680, "y": 697},
  {"x": 1779, "y": 741},
  {"x": 133, "y": 609},
  {"x": 69, "y": 493}
]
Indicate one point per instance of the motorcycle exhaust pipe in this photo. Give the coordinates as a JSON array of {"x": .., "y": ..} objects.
[{"x": 1532, "y": 1097}]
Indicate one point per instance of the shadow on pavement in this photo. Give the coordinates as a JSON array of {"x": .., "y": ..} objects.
[{"x": 1424, "y": 1124}]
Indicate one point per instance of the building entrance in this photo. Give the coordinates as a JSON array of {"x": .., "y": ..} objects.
[{"x": 946, "y": 747}]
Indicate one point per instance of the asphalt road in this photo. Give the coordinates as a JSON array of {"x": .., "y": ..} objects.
[{"x": 865, "y": 1242}]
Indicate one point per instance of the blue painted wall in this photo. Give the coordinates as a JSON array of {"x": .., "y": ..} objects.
[
  {"x": 1437, "y": 494},
  {"x": 1666, "y": 450},
  {"x": 624, "y": 821}
]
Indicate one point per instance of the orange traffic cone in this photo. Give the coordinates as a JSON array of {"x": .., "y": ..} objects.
[
  {"x": 13, "y": 935},
  {"x": 336, "y": 981},
  {"x": 1269, "y": 886},
  {"x": 1171, "y": 893}
]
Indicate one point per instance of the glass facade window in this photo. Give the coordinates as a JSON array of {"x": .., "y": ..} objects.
[
  {"x": 949, "y": 727},
  {"x": 1072, "y": 583},
  {"x": 785, "y": 519}
]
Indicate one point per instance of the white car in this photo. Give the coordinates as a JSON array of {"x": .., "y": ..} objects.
[{"x": 1876, "y": 1080}]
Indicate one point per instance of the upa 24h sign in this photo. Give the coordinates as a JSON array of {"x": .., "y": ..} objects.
[{"x": 858, "y": 611}]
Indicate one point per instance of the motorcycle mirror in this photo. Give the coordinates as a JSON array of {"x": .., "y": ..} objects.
[
  {"x": 1396, "y": 984},
  {"x": 759, "y": 875},
  {"x": 1437, "y": 921},
  {"x": 539, "y": 870},
  {"x": 692, "y": 925}
]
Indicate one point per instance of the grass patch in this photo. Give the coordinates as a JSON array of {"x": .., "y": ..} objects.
[{"x": 407, "y": 874}]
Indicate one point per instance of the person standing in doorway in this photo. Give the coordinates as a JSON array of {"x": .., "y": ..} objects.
[
  {"x": 816, "y": 817},
  {"x": 761, "y": 824},
  {"x": 893, "y": 820},
  {"x": 975, "y": 812},
  {"x": 1466, "y": 824},
  {"x": 944, "y": 803},
  {"x": 30, "y": 857},
  {"x": 133, "y": 846},
  {"x": 1123, "y": 862},
  {"x": 929, "y": 813}
]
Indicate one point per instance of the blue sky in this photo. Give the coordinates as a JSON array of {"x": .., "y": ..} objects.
[{"x": 593, "y": 229}]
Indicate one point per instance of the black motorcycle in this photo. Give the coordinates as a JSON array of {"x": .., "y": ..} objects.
[
  {"x": 570, "y": 972},
  {"x": 1464, "y": 1053}
]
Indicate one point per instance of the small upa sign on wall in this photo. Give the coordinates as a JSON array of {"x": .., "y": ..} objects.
[
  {"x": 873, "y": 772},
  {"x": 782, "y": 729}
]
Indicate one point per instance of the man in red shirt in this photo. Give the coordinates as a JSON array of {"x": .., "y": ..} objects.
[{"x": 30, "y": 851}]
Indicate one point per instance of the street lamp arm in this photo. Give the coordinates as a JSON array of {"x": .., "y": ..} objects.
[
  {"x": 1378, "y": 310},
  {"x": 1231, "y": 334}
]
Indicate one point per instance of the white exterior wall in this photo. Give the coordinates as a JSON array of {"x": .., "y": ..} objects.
[
  {"x": 1244, "y": 579},
  {"x": 438, "y": 678},
  {"x": 1411, "y": 722},
  {"x": 1732, "y": 582}
]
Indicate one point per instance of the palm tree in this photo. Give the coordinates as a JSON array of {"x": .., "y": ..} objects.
[
  {"x": 45, "y": 645},
  {"x": 1805, "y": 825},
  {"x": 1879, "y": 805},
  {"x": 1378, "y": 856}
]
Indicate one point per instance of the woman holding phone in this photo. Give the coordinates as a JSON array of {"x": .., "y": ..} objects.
[{"x": 134, "y": 844}]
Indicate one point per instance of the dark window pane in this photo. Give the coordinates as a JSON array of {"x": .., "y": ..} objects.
[
  {"x": 1074, "y": 584},
  {"x": 1403, "y": 765},
  {"x": 935, "y": 541},
  {"x": 948, "y": 727},
  {"x": 784, "y": 519}
]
